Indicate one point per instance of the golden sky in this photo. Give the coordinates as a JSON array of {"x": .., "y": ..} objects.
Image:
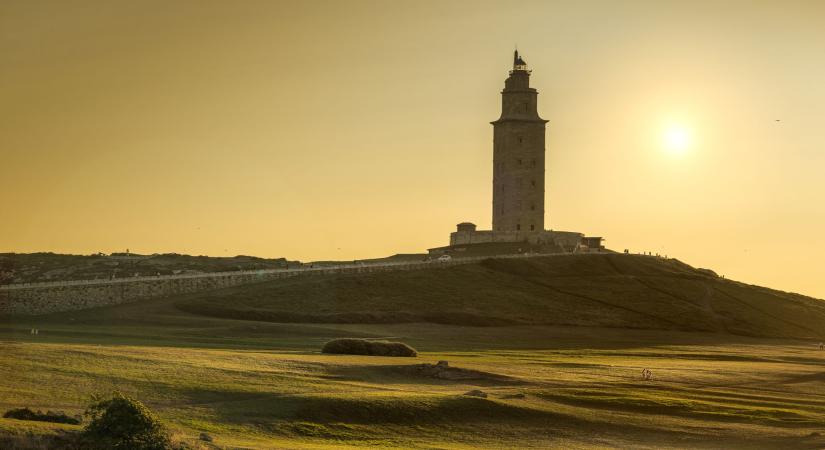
[{"x": 353, "y": 129}]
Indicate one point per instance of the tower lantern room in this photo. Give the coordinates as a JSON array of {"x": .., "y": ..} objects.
[{"x": 518, "y": 63}]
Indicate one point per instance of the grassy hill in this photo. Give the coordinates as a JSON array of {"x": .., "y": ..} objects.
[
  {"x": 208, "y": 363},
  {"x": 610, "y": 290}
]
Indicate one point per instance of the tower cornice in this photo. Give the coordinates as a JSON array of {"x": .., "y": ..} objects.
[
  {"x": 520, "y": 90},
  {"x": 514, "y": 119}
]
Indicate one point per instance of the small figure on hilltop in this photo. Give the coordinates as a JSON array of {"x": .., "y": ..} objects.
[
  {"x": 647, "y": 375},
  {"x": 821, "y": 346}
]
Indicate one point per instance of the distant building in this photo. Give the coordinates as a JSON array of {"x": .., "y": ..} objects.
[
  {"x": 592, "y": 244},
  {"x": 518, "y": 180}
]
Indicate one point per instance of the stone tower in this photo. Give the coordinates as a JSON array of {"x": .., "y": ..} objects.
[{"x": 518, "y": 156}]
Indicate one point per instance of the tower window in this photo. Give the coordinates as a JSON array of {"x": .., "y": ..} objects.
[
  {"x": 520, "y": 139},
  {"x": 519, "y": 161},
  {"x": 532, "y": 228},
  {"x": 518, "y": 227},
  {"x": 533, "y": 163},
  {"x": 533, "y": 183},
  {"x": 532, "y": 207},
  {"x": 526, "y": 107}
]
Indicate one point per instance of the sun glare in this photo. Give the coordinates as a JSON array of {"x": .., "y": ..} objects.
[{"x": 676, "y": 139}]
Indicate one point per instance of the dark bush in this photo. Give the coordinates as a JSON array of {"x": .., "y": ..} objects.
[
  {"x": 123, "y": 423},
  {"x": 49, "y": 416},
  {"x": 350, "y": 346}
]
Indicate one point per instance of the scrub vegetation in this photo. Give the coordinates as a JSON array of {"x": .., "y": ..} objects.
[
  {"x": 47, "y": 266},
  {"x": 48, "y": 416}
]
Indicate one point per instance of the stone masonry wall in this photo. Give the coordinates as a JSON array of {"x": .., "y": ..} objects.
[
  {"x": 51, "y": 297},
  {"x": 48, "y": 299},
  {"x": 565, "y": 239}
]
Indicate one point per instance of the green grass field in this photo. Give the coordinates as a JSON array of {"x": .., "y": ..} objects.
[{"x": 264, "y": 384}]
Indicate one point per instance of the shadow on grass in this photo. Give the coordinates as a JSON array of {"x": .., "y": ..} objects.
[
  {"x": 478, "y": 420},
  {"x": 406, "y": 410},
  {"x": 664, "y": 403},
  {"x": 426, "y": 374}
]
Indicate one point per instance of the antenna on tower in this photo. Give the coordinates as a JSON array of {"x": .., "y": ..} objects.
[{"x": 518, "y": 62}]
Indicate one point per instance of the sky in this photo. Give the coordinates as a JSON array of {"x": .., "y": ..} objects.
[{"x": 354, "y": 129}]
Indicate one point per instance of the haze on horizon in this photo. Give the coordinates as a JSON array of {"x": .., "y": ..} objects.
[{"x": 341, "y": 130}]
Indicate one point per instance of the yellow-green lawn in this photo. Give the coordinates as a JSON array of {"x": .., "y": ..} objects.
[{"x": 255, "y": 385}]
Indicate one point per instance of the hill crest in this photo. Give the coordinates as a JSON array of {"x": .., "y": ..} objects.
[{"x": 607, "y": 290}]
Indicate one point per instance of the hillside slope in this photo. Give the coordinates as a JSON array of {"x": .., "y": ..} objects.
[{"x": 610, "y": 290}]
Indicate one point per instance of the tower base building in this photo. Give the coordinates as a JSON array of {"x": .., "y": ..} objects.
[{"x": 467, "y": 241}]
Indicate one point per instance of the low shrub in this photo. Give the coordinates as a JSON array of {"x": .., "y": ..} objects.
[
  {"x": 351, "y": 346},
  {"x": 119, "y": 422},
  {"x": 48, "y": 416}
]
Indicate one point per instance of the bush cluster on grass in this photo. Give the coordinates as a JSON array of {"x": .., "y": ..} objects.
[
  {"x": 48, "y": 416},
  {"x": 351, "y": 346},
  {"x": 119, "y": 422},
  {"x": 116, "y": 422}
]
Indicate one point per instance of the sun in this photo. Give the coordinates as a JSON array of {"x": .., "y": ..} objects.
[{"x": 676, "y": 139}]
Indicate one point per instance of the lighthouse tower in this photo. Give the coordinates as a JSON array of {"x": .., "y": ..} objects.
[
  {"x": 518, "y": 184},
  {"x": 518, "y": 156}
]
